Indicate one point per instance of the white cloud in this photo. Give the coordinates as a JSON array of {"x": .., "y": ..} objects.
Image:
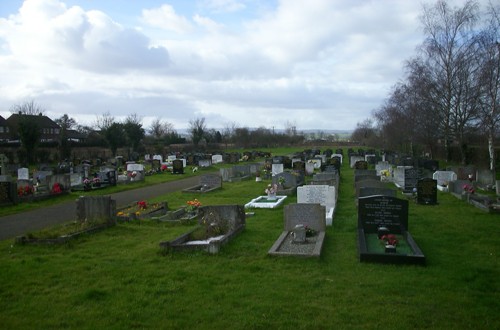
[
  {"x": 222, "y": 6},
  {"x": 322, "y": 63},
  {"x": 166, "y": 18}
]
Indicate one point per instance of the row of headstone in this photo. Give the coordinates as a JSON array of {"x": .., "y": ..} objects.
[{"x": 238, "y": 172}]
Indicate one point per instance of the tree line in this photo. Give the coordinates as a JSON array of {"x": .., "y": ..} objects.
[
  {"x": 130, "y": 134},
  {"x": 450, "y": 92}
]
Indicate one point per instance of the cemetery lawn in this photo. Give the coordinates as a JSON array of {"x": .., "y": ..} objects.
[{"x": 119, "y": 278}]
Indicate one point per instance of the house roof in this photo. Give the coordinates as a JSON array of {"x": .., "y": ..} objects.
[{"x": 42, "y": 120}]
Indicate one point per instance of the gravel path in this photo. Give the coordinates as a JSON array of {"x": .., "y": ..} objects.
[{"x": 19, "y": 224}]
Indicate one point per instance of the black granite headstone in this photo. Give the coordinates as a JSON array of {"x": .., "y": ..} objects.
[
  {"x": 383, "y": 211},
  {"x": 427, "y": 191}
]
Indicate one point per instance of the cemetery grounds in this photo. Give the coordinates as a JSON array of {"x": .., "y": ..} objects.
[{"x": 119, "y": 277}]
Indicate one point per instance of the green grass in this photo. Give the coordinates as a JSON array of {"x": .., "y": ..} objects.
[{"x": 119, "y": 278}]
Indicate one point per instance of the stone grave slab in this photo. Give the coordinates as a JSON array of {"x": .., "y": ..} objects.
[
  {"x": 300, "y": 219},
  {"x": 219, "y": 224},
  {"x": 264, "y": 202},
  {"x": 207, "y": 183}
]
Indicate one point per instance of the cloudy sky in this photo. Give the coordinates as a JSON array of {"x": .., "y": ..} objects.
[{"x": 317, "y": 64}]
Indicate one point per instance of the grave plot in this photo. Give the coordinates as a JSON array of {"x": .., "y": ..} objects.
[
  {"x": 443, "y": 179},
  {"x": 266, "y": 202},
  {"x": 94, "y": 213},
  {"x": 141, "y": 210},
  {"x": 208, "y": 183},
  {"x": 304, "y": 231},
  {"x": 383, "y": 234},
  {"x": 217, "y": 225},
  {"x": 183, "y": 215}
]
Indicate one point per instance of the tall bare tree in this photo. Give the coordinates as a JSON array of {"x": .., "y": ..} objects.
[
  {"x": 489, "y": 80},
  {"x": 197, "y": 129},
  {"x": 448, "y": 51}
]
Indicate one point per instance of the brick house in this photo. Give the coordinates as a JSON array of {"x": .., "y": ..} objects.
[
  {"x": 4, "y": 130},
  {"x": 49, "y": 130}
]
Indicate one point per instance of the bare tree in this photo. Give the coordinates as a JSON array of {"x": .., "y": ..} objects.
[
  {"x": 159, "y": 129},
  {"x": 28, "y": 108},
  {"x": 197, "y": 128},
  {"x": 489, "y": 80},
  {"x": 104, "y": 121},
  {"x": 448, "y": 50}
]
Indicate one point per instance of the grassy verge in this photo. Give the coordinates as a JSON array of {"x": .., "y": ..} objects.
[{"x": 118, "y": 278}]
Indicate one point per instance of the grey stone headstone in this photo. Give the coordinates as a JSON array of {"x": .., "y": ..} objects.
[
  {"x": 96, "y": 208},
  {"x": 76, "y": 179},
  {"x": 277, "y": 168},
  {"x": 290, "y": 179},
  {"x": 444, "y": 177},
  {"x": 372, "y": 183},
  {"x": 321, "y": 194},
  {"x": 411, "y": 179},
  {"x": 216, "y": 159},
  {"x": 226, "y": 174},
  {"x": 211, "y": 181},
  {"x": 485, "y": 177},
  {"x": 23, "y": 173},
  {"x": 310, "y": 215},
  {"x": 309, "y": 168},
  {"x": 382, "y": 166}
]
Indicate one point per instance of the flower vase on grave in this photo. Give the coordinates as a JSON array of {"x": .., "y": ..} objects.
[{"x": 271, "y": 196}]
